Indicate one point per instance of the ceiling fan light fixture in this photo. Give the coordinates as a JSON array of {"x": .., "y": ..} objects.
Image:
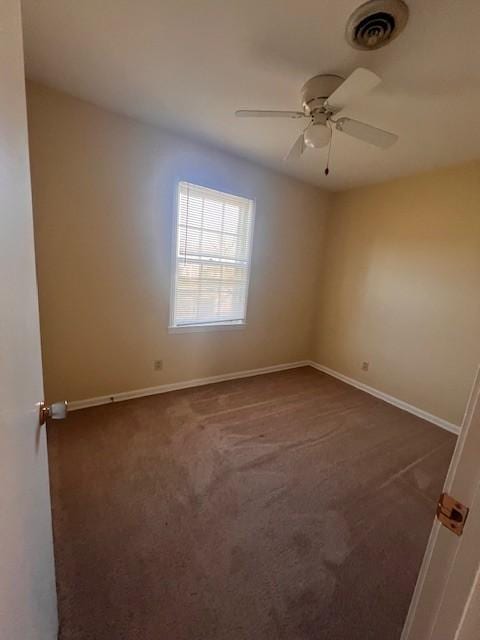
[
  {"x": 317, "y": 135},
  {"x": 325, "y": 96}
]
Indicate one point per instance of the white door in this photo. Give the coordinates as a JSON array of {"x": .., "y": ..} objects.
[
  {"x": 445, "y": 598},
  {"x": 27, "y": 583}
]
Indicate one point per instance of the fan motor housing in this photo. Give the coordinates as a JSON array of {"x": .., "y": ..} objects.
[{"x": 316, "y": 90}]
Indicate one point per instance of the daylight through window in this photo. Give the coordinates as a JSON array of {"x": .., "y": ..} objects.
[{"x": 212, "y": 257}]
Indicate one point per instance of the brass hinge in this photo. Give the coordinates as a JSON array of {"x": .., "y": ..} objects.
[{"x": 452, "y": 513}]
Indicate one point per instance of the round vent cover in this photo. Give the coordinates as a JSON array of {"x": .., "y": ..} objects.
[{"x": 376, "y": 23}]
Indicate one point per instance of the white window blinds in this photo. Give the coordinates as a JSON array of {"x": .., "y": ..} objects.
[{"x": 212, "y": 257}]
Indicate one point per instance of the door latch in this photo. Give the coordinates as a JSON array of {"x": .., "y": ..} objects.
[
  {"x": 452, "y": 513},
  {"x": 56, "y": 411}
]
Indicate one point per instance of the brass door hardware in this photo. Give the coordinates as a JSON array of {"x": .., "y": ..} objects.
[
  {"x": 56, "y": 411},
  {"x": 452, "y": 513}
]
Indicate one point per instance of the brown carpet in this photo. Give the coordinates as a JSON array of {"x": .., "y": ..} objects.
[{"x": 288, "y": 506}]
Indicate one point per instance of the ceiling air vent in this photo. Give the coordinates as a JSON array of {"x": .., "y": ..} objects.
[{"x": 376, "y": 23}]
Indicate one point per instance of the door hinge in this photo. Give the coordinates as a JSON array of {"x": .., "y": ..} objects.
[{"x": 452, "y": 513}]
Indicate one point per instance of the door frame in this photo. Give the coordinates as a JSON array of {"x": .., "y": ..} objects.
[{"x": 449, "y": 575}]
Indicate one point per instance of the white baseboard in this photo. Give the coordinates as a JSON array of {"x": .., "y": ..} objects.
[
  {"x": 174, "y": 386},
  {"x": 198, "y": 382},
  {"x": 440, "y": 422}
]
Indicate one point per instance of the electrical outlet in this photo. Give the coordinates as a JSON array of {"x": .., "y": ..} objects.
[
  {"x": 158, "y": 365},
  {"x": 365, "y": 366}
]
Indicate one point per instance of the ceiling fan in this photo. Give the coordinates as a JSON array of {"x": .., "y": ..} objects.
[{"x": 323, "y": 97}]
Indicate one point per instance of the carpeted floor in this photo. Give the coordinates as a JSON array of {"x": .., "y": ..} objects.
[{"x": 289, "y": 506}]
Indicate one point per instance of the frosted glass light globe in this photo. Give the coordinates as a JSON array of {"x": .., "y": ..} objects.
[{"x": 317, "y": 136}]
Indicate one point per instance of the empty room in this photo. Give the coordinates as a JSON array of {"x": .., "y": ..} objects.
[{"x": 240, "y": 327}]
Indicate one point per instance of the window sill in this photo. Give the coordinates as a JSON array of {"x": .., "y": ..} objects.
[{"x": 197, "y": 328}]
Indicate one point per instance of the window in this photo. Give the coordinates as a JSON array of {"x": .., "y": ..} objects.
[{"x": 212, "y": 257}]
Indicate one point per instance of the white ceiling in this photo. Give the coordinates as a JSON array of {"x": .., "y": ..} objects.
[{"x": 188, "y": 64}]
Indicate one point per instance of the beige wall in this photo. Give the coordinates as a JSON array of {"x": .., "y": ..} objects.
[
  {"x": 103, "y": 190},
  {"x": 400, "y": 288},
  {"x": 398, "y": 285}
]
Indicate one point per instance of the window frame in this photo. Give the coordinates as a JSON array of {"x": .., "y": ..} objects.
[{"x": 212, "y": 326}]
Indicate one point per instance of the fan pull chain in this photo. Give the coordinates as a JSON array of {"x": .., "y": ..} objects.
[{"x": 327, "y": 170}]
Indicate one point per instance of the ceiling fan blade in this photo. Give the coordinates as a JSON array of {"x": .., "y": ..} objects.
[
  {"x": 366, "y": 132},
  {"x": 358, "y": 83},
  {"x": 250, "y": 113},
  {"x": 297, "y": 149}
]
